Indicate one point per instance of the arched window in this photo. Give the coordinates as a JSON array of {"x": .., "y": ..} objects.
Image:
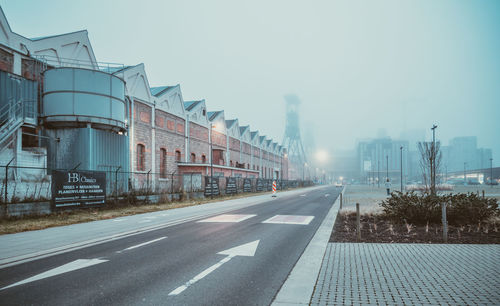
[
  {"x": 193, "y": 158},
  {"x": 163, "y": 162},
  {"x": 141, "y": 157},
  {"x": 203, "y": 159},
  {"x": 177, "y": 155}
]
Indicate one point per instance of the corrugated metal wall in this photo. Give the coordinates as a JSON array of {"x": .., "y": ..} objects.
[
  {"x": 91, "y": 148},
  {"x": 17, "y": 88}
]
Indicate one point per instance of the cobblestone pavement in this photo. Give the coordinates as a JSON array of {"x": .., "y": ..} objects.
[{"x": 409, "y": 274}]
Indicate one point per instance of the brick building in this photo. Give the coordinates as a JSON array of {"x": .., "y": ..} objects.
[{"x": 164, "y": 134}]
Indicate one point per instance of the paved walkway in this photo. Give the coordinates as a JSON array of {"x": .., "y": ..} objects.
[{"x": 409, "y": 274}]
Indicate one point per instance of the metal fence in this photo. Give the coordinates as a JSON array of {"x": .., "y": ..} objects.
[{"x": 17, "y": 187}]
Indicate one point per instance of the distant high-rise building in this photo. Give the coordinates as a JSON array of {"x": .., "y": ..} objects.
[{"x": 378, "y": 157}]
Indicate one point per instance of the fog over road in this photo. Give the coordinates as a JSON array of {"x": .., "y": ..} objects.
[{"x": 238, "y": 257}]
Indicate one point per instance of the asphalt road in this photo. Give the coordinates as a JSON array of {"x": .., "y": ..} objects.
[{"x": 179, "y": 265}]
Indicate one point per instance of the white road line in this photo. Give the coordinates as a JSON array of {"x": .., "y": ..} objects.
[
  {"x": 119, "y": 220},
  {"x": 302, "y": 195},
  {"x": 150, "y": 217},
  {"x": 143, "y": 244},
  {"x": 327, "y": 195},
  {"x": 227, "y": 218},
  {"x": 72, "y": 266},
  {"x": 247, "y": 249},
  {"x": 145, "y": 221},
  {"x": 289, "y": 219}
]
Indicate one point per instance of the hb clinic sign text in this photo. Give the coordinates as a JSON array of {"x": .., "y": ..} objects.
[{"x": 78, "y": 188}]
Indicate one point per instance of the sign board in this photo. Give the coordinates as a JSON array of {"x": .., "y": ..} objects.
[
  {"x": 211, "y": 186},
  {"x": 231, "y": 185},
  {"x": 247, "y": 185},
  {"x": 259, "y": 186},
  {"x": 78, "y": 188}
]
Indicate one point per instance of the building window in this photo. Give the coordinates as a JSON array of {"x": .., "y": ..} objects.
[
  {"x": 193, "y": 158},
  {"x": 163, "y": 163},
  {"x": 203, "y": 159},
  {"x": 141, "y": 152},
  {"x": 177, "y": 156}
]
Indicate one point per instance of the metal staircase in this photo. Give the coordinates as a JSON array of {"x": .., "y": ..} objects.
[{"x": 11, "y": 119}]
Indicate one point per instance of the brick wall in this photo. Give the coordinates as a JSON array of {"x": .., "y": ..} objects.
[
  {"x": 142, "y": 134},
  {"x": 6, "y": 61},
  {"x": 169, "y": 138},
  {"x": 198, "y": 142}
]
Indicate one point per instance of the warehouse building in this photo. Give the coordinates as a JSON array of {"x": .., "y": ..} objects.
[{"x": 61, "y": 109}]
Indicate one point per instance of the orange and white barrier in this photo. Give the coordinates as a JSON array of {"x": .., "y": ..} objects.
[{"x": 274, "y": 188}]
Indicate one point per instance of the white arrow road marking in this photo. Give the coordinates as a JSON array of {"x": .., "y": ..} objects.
[
  {"x": 72, "y": 266},
  {"x": 247, "y": 249},
  {"x": 143, "y": 244}
]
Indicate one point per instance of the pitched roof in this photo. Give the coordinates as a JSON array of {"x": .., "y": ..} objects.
[
  {"x": 229, "y": 123},
  {"x": 158, "y": 91},
  {"x": 114, "y": 70},
  {"x": 211, "y": 115},
  {"x": 253, "y": 134},
  {"x": 189, "y": 105},
  {"x": 56, "y": 35},
  {"x": 243, "y": 128}
]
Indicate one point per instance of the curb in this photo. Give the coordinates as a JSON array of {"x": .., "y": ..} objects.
[{"x": 300, "y": 283}]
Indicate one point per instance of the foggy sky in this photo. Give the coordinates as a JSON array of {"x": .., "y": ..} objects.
[{"x": 357, "y": 66}]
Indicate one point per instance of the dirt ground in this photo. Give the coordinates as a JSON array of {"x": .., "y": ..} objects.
[{"x": 374, "y": 229}]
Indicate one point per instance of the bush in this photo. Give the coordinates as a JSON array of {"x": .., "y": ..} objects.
[
  {"x": 470, "y": 208},
  {"x": 422, "y": 209}
]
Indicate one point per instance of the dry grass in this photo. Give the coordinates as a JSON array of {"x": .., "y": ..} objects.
[{"x": 16, "y": 225}]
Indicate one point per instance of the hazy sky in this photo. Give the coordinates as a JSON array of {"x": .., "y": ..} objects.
[{"x": 357, "y": 66}]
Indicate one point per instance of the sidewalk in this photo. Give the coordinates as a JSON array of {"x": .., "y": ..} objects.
[
  {"x": 409, "y": 274},
  {"x": 391, "y": 274}
]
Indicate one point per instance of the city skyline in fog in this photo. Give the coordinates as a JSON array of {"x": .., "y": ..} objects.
[{"x": 359, "y": 67}]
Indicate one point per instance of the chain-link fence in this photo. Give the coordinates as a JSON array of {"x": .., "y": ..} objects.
[{"x": 130, "y": 186}]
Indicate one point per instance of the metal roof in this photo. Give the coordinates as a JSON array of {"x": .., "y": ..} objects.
[{"x": 157, "y": 91}]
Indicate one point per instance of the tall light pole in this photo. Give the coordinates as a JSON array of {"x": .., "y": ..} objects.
[
  {"x": 378, "y": 171},
  {"x": 387, "y": 166},
  {"x": 433, "y": 160},
  {"x": 211, "y": 163},
  {"x": 491, "y": 172},
  {"x": 465, "y": 175},
  {"x": 401, "y": 150},
  {"x": 304, "y": 172}
]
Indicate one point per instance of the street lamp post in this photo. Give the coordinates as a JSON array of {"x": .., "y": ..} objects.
[
  {"x": 401, "y": 149},
  {"x": 465, "y": 175},
  {"x": 387, "y": 166},
  {"x": 211, "y": 163},
  {"x": 378, "y": 171},
  {"x": 491, "y": 172},
  {"x": 433, "y": 160}
]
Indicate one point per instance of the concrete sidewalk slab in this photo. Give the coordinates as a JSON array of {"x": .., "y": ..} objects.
[{"x": 397, "y": 274}]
